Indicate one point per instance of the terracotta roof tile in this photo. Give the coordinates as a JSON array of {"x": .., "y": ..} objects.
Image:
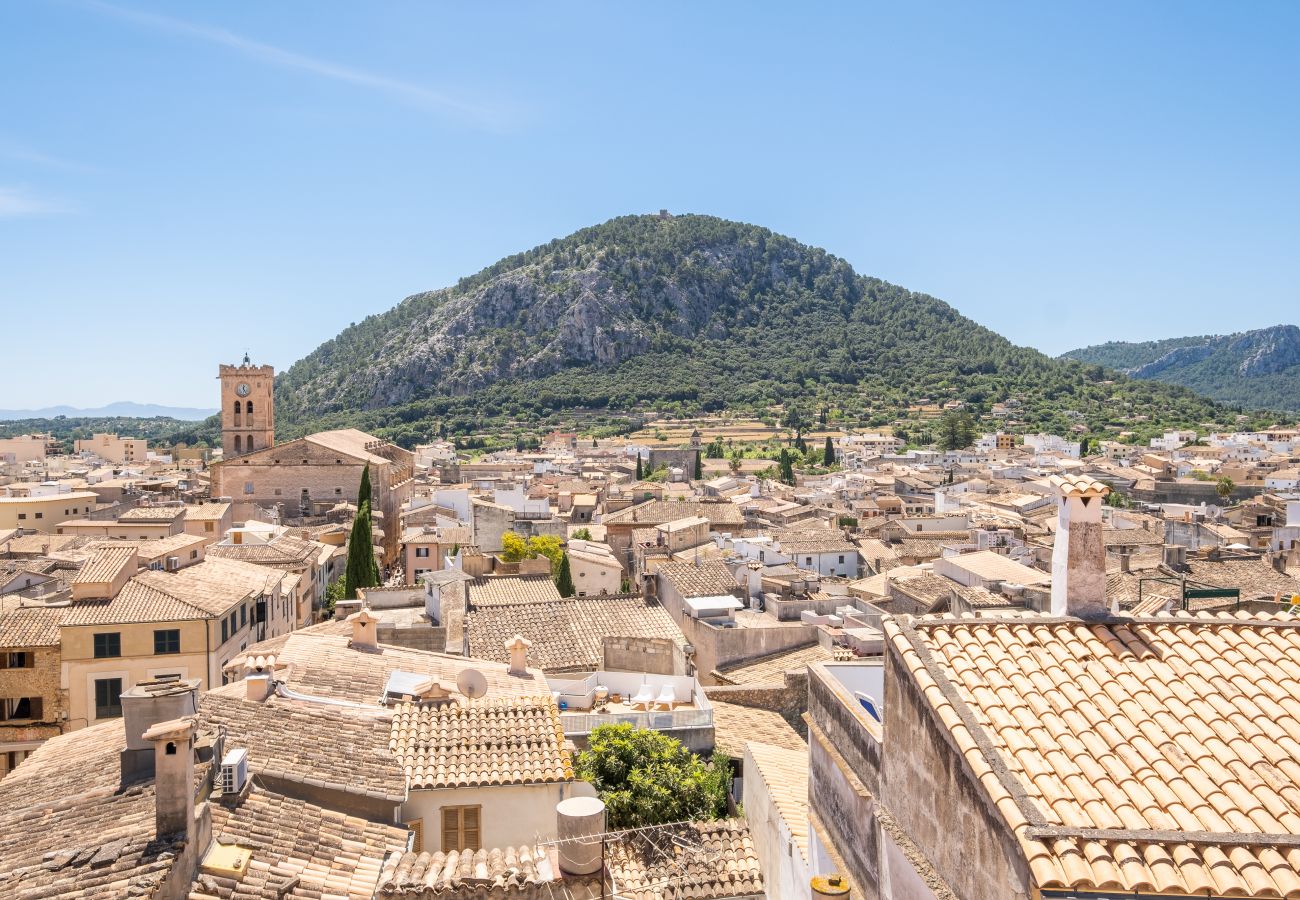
[
  {"x": 496, "y": 740},
  {"x": 735, "y": 725},
  {"x": 500, "y": 872},
  {"x": 1160, "y": 734},
  {"x": 701, "y": 860},
  {"x": 785, "y": 774},
  {"x": 771, "y": 669}
]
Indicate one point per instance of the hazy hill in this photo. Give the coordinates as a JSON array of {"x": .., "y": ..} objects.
[
  {"x": 687, "y": 313},
  {"x": 122, "y": 409},
  {"x": 1256, "y": 369}
]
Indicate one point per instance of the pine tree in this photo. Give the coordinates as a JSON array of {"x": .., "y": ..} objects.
[
  {"x": 828, "y": 455},
  {"x": 699, "y": 468},
  {"x": 639, "y": 473},
  {"x": 785, "y": 466},
  {"x": 362, "y": 570},
  {"x": 564, "y": 580}
]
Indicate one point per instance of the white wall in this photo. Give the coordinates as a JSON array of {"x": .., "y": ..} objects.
[{"x": 512, "y": 814}]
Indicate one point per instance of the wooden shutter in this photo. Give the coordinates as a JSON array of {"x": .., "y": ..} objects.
[
  {"x": 417, "y": 828},
  {"x": 461, "y": 828},
  {"x": 470, "y": 831},
  {"x": 450, "y": 828}
]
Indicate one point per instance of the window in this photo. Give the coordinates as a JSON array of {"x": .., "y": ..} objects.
[
  {"x": 808, "y": 560},
  {"x": 108, "y": 698},
  {"x": 166, "y": 640},
  {"x": 40, "y": 515},
  {"x": 243, "y": 616},
  {"x": 194, "y": 554},
  {"x": 338, "y": 490},
  {"x": 248, "y": 407},
  {"x": 421, "y": 552},
  {"x": 209, "y": 526},
  {"x": 22, "y": 515},
  {"x": 248, "y": 485},
  {"x": 239, "y": 445},
  {"x": 108, "y": 645},
  {"x": 225, "y": 630},
  {"x": 460, "y": 828},
  {"x": 259, "y": 610},
  {"x": 20, "y": 708},
  {"x": 841, "y": 558},
  {"x": 20, "y": 660},
  {"x": 249, "y": 444},
  {"x": 417, "y": 837}
]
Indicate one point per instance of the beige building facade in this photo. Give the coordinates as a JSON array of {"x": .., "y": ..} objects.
[
  {"x": 247, "y": 408},
  {"x": 114, "y": 449}
]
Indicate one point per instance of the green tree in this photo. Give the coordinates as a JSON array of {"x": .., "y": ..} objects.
[
  {"x": 828, "y": 454},
  {"x": 564, "y": 580},
  {"x": 785, "y": 467},
  {"x": 550, "y": 546},
  {"x": 362, "y": 570},
  {"x": 956, "y": 430},
  {"x": 734, "y": 459},
  {"x": 648, "y": 778},
  {"x": 333, "y": 594},
  {"x": 366, "y": 494},
  {"x": 582, "y": 534},
  {"x": 699, "y": 468},
  {"x": 1224, "y": 487},
  {"x": 640, "y": 473}
]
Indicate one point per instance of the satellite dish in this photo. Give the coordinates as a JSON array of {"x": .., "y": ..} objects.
[{"x": 472, "y": 683}]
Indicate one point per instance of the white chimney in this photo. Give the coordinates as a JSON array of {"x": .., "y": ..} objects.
[
  {"x": 517, "y": 647},
  {"x": 173, "y": 743},
  {"x": 1079, "y": 557},
  {"x": 258, "y": 687},
  {"x": 364, "y": 623}
]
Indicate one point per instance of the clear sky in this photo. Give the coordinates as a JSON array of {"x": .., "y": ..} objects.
[{"x": 179, "y": 182}]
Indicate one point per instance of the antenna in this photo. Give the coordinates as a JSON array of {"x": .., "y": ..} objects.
[{"x": 472, "y": 683}]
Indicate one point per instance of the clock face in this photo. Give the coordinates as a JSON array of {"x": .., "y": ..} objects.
[{"x": 243, "y": 389}]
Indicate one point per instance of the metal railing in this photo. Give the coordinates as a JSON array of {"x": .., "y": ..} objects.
[{"x": 583, "y": 723}]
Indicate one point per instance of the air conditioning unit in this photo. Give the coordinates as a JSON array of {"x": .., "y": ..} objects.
[
  {"x": 234, "y": 771},
  {"x": 173, "y": 563}
]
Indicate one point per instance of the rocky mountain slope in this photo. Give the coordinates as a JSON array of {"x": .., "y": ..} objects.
[
  {"x": 1257, "y": 369},
  {"x": 687, "y": 314}
]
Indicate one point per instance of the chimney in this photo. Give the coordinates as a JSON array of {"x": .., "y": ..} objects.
[
  {"x": 258, "y": 687},
  {"x": 173, "y": 746},
  {"x": 1079, "y": 557},
  {"x": 518, "y": 649},
  {"x": 145, "y": 705},
  {"x": 1174, "y": 557},
  {"x": 364, "y": 624}
]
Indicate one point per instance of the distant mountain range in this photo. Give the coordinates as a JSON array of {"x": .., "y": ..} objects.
[
  {"x": 1255, "y": 369},
  {"x": 123, "y": 409}
]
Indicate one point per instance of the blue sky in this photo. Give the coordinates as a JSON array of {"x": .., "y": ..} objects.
[{"x": 181, "y": 181}]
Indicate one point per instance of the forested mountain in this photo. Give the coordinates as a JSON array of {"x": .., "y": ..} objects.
[
  {"x": 688, "y": 314},
  {"x": 1255, "y": 369}
]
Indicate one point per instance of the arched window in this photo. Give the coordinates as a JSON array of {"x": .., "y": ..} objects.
[
  {"x": 249, "y": 444},
  {"x": 237, "y": 443},
  {"x": 248, "y": 407},
  {"x": 237, "y": 408}
]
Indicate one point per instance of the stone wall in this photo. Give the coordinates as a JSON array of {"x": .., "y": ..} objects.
[
  {"x": 790, "y": 699},
  {"x": 932, "y": 794},
  {"x": 658, "y": 656},
  {"x": 42, "y": 680}
]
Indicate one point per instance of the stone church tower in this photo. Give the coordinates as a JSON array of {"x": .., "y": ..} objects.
[{"x": 247, "y": 408}]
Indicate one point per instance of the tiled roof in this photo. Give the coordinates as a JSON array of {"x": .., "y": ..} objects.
[
  {"x": 710, "y": 578},
  {"x": 981, "y": 598},
  {"x": 347, "y": 750},
  {"x": 1251, "y": 574},
  {"x": 152, "y": 514},
  {"x": 567, "y": 635},
  {"x": 320, "y": 661},
  {"x": 31, "y": 626},
  {"x": 497, "y": 872},
  {"x": 136, "y": 602},
  {"x": 68, "y": 829},
  {"x": 214, "y": 584},
  {"x": 201, "y": 512},
  {"x": 495, "y": 740},
  {"x": 283, "y": 551},
  {"x": 331, "y": 854},
  {"x": 1156, "y": 755},
  {"x": 504, "y": 589},
  {"x": 699, "y": 860},
  {"x": 771, "y": 669},
  {"x": 104, "y": 564},
  {"x": 785, "y": 774},
  {"x": 657, "y": 512},
  {"x": 735, "y": 725}
]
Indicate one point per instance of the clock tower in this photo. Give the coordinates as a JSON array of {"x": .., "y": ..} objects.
[{"x": 247, "y": 408}]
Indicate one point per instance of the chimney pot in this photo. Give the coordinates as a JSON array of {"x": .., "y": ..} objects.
[
  {"x": 258, "y": 687},
  {"x": 173, "y": 744},
  {"x": 364, "y": 624}
]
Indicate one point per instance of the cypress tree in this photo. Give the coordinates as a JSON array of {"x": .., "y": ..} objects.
[
  {"x": 362, "y": 570},
  {"x": 639, "y": 473},
  {"x": 699, "y": 467},
  {"x": 829, "y": 453},
  {"x": 564, "y": 580},
  {"x": 366, "y": 494}
]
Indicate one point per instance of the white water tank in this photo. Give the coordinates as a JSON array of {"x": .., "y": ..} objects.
[{"x": 578, "y": 818}]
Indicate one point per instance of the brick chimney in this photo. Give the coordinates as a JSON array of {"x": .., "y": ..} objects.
[
  {"x": 173, "y": 743},
  {"x": 518, "y": 646},
  {"x": 1079, "y": 557}
]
